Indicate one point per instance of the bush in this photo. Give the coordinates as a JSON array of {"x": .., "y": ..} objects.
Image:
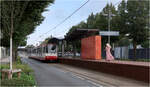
[
  {"x": 24, "y": 67},
  {"x": 18, "y": 60},
  {"x": 25, "y": 80},
  {"x": 4, "y": 66}
]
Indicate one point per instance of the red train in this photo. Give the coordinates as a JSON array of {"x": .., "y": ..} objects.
[{"x": 45, "y": 52}]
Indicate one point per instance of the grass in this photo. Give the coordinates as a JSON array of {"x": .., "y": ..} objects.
[{"x": 26, "y": 79}]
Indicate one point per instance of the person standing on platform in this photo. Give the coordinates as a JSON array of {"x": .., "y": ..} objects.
[{"x": 109, "y": 56}]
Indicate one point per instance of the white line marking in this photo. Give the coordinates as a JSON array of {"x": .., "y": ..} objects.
[
  {"x": 80, "y": 77},
  {"x": 90, "y": 79},
  {"x": 77, "y": 76},
  {"x": 63, "y": 71},
  {"x": 94, "y": 83}
]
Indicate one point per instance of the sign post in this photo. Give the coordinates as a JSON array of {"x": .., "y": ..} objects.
[{"x": 109, "y": 33}]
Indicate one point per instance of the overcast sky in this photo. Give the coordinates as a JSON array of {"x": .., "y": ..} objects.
[{"x": 61, "y": 9}]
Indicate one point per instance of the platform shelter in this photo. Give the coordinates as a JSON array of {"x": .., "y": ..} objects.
[{"x": 90, "y": 42}]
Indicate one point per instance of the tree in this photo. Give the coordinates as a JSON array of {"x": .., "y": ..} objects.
[
  {"x": 91, "y": 21},
  {"x": 121, "y": 18},
  {"x": 145, "y": 44},
  {"x": 99, "y": 21},
  {"x": 124, "y": 41},
  {"x": 82, "y": 25},
  {"x": 131, "y": 17},
  {"x": 26, "y": 16},
  {"x": 76, "y": 44},
  {"x": 46, "y": 40},
  {"x": 30, "y": 46},
  {"x": 137, "y": 13}
]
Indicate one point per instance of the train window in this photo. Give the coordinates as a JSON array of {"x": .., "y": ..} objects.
[
  {"x": 46, "y": 49},
  {"x": 53, "y": 47},
  {"x": 42, "y": 49}
]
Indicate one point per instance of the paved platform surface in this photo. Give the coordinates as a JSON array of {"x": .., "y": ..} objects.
[
  {"x": 124, "y": 62},
  {"x": 138, "y": 63}
]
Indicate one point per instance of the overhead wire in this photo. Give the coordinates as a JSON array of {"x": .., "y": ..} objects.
[
  {"x": 65, "y": 19},
  {"x": 64, "y": 30},
  {"x": 68, "y": 18}
]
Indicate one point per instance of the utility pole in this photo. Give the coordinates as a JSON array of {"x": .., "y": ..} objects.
[
  {"x": 109, "y": 15},
  {"x": 63, "y": 48}
]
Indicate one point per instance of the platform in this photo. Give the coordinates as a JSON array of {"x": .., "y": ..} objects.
[
  {"x": 136, "y": 63},
  {"x": 130, "y": 69}
]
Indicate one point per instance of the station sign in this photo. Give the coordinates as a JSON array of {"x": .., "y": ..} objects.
[{"x": 109, "y": 33}]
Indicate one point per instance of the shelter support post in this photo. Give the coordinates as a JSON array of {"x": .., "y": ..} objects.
[
  {"x": 74, "y": 50},
  {"x": 62, "y": 48}
]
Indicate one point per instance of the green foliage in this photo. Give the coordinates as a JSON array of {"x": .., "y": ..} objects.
[
  {"x": 131, "y": 17},
  {"x": 30, "y": 46},
  {"x": 90, "y": 21},
  {"x": 5, "y": 66},
  {"x": 146, "y": 44},
  {"x": 138, "y": 11},
  {"x": 46, "y": 40},
  {"x": 18, "y": 61},
  {"x": 26, "y": 79},
  {"x": 24, "y": 67},
  {"x": 97, "y": 21},
  {"x": 124, "y": 42},
  {"x": 137, "y": 15},
  {"x": 20, "y": 17}
]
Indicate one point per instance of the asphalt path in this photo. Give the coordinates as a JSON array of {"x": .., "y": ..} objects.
[{"x": 46, "y": 74}]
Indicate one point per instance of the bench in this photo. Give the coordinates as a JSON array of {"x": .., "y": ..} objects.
[{"x": 10, "y": 73}]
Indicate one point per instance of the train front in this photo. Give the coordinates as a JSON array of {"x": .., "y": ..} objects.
[{"x": 52, "y": 52}]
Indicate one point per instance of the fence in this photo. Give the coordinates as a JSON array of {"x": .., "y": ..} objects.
[
  {"x": 140, "y": 53},
  {"x": 4, "y": 53},
  {"x": 126, "y": 53},
  {"x": 121, "y": 52}
]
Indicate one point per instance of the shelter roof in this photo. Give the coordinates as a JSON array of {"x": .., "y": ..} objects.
[
  {"x": 54, "y": 40},
  {"x": 77, "y": 34}
]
